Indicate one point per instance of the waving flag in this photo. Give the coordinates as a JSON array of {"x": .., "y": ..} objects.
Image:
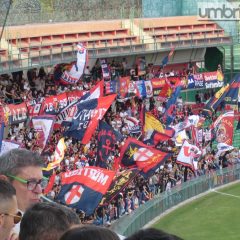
[
  {"x": 223, "y": 128},
  {"x": 86, "y": 119},
  {"x": 215, "y": 101},
  {"x": 169, "y": 114},
  {"x": 84, "y": 188},
  {"x": 166, "y": 58},
  {"x": 66, "y": 115},
  {"x": 43, "y": 126},
  {"x": 188, "y": 154},
  {"x": 76, "y": 71},
  {"x": 58, "y": 155},
  {"x": 137, "y": 154},
  {"x": 107, "y": 137}
]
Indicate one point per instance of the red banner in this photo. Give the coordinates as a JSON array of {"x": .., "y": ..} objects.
[
  {"x": 12, "y": 114},
  {"x": 96, "y": 178},
  {"x": 54, "y": 104}
]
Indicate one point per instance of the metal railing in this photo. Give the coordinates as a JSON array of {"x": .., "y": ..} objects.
[
  {"x": 155, "y": 207},
  {"x": 28, "y": 57}
]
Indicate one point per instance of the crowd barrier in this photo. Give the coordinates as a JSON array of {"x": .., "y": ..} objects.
[{"x": 158, "y": 205}]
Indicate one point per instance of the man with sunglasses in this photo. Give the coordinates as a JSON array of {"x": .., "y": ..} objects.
[
  {"x": 9, "y": 214},
  {"x": 23, "y": 169}
]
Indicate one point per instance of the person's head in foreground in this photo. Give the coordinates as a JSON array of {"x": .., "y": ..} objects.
[
  {"x": 9, "y": 215},
  {"x": 152, "y": 234},
  {"x": 89, "y": 233},
  {"x": 23, "y": 169},
  {"x": 46, "y": 221}
]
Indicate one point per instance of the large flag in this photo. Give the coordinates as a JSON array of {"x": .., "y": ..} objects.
[
  {"x": 73, "y": 75},
  {"x": 107, "y": 137},
  {"x": 43, "y": 126},
  {"x": 169, "y": 114},
  {"x": 188, "y": 154},
  {"x": 86, "y": 119},
  {"x": 66, "y": 115},
  {"x": 58, "y": 155},
  {"x": 223, "y": 128},
  {"x": 8, "y": 145},
  {"x": 119, "y": 183},
  {"x": 84, "y": 188},
  {"x": 137, "y": 154}
]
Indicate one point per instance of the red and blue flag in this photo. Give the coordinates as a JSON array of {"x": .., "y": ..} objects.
[
  {"x": 137, "y": 154},
  {"x": 86, "y": 118},
  {"x": 84, "y": 188}
]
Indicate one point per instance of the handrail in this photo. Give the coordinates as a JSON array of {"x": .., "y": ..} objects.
[
  {"x": 66, "y": 53},
  {"x": 128, "y": 224}
]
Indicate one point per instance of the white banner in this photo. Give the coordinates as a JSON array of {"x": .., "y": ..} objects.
[
  {"x": 43, "y": 126},
  {"x": 76, "y": 71},
  {"x": 9, "y": 145}
]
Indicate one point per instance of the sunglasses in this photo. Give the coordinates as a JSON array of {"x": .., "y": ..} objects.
[
  {"x": 31, "y": 183},
  {"x": 16, "y": 217}
]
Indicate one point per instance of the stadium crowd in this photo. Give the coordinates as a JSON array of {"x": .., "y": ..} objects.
[{"x": 39, "y": 84}]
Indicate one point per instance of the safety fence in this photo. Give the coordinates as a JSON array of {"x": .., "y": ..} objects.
[{"x": 166, "y": 200}]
